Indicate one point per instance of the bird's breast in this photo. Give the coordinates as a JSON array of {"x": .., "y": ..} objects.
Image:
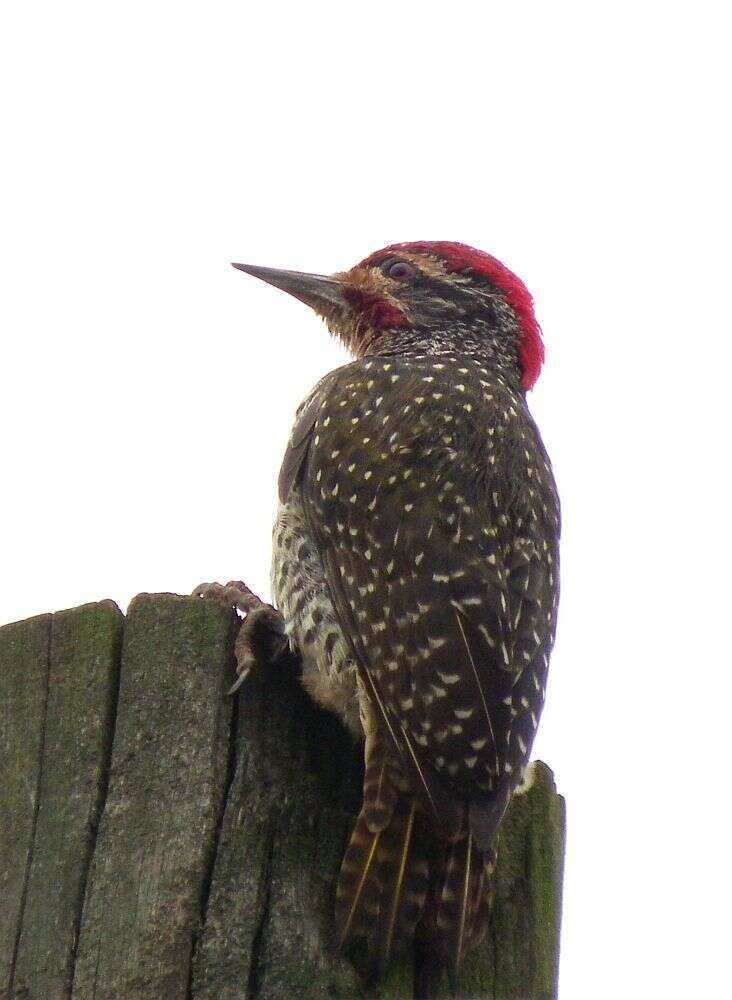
[{"x": 301, "y": 593}]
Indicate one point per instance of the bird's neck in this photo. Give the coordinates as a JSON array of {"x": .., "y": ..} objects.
[{"x": 492, "y": 349}]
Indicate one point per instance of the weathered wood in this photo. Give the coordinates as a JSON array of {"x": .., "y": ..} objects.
[
  {"x": 521, "y": 956},
  {"x": 186, "y": 899},
  {"x": 82, "y": 692},
  {"x": 24, "y": 648},
  {"x": 268, "y": 931},
  {"x": 288, "y": 816},
  {"x": 167, "y": 781}
]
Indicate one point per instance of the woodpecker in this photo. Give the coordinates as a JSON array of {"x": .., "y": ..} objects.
[{"x": 415, "y": 565}]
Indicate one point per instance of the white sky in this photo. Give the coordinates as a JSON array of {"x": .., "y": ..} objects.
[{"x": 147, "y": 389}]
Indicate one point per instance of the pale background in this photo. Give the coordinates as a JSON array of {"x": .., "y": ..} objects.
[{"x": 147, "y": 388}]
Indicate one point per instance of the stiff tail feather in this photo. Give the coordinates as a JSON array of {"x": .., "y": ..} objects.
[
  {"x": 384, "y": 876},
  {"x": 458, "y": 906},
  {"x": 401, "y": 884}
]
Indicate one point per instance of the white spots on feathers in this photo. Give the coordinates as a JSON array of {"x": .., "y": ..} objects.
[{"x": 399, "y": 436}]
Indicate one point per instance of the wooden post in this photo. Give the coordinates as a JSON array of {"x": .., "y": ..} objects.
[{"x": 161, "y": 841}]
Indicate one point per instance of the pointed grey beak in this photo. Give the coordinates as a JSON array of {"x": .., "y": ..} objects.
[{"x": 315, "y": 290}]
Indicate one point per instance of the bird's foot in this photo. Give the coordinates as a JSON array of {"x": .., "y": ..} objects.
[{"x": 261, "y": 634}]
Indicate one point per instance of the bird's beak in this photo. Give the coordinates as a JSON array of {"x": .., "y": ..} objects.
[{"x": 315, "y": 290}]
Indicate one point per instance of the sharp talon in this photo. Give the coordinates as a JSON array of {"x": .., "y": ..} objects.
[
  {"x": 258, "y": 618},
  {"x": 237, "y": 683}
]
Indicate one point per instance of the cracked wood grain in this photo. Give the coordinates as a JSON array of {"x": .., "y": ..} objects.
[
  {"x": 24, "y": 661},
  {"x": 214, "y": 862},
  {"x": 82, "y": 693},
  {"x": 297, "y": 783},
  {"x": 155, "y": 842}
]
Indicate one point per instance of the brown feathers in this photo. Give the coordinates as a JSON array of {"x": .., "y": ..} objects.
[
  {"x": 427, "y": 560},
  {"x": 383, "y": 880},
  {"x": 399, "y": 878}
]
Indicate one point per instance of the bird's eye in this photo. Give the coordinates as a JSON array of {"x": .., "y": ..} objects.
[{"x": 400, "y": 270}]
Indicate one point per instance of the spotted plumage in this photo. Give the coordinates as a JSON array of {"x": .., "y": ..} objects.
[{"x": 416, "y": 566}]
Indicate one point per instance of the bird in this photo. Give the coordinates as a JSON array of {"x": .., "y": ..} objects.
[{"x": 415, "y": 570}]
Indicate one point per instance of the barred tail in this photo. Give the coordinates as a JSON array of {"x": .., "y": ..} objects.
[
  {"x": 384, "y": 876},
  {"x": 400, "y": 884},
  {"x": 456, "y": 915}
]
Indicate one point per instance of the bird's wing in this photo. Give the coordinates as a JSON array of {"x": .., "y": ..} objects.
[
  {"x": 300, "y": 437},
  {"x": 439, "y": 594}
]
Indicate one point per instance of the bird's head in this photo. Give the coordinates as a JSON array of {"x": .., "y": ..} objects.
[{"x": 436, "y": 297}]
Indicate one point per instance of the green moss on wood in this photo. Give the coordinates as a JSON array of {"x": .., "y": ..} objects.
[
  {"x": 84, "y": 666},
  {"x": 142, "y": 907},
  {"x": 24, "y": 652},
  {"x": 184, "y": 900}
]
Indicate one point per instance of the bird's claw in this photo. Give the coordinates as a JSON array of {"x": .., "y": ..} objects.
[
  {"x": 261, "y": 622},
  {"x": 234, "y": 594}
]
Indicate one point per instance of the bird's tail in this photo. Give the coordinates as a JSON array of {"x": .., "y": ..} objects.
[
  {"x": 400, "y": 883},
  {"x": 455, "y": 918},
  {"x": 384, "y": 876}
]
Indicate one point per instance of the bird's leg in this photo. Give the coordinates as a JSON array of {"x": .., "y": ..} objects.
[{"x": 262, "y": 632}]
